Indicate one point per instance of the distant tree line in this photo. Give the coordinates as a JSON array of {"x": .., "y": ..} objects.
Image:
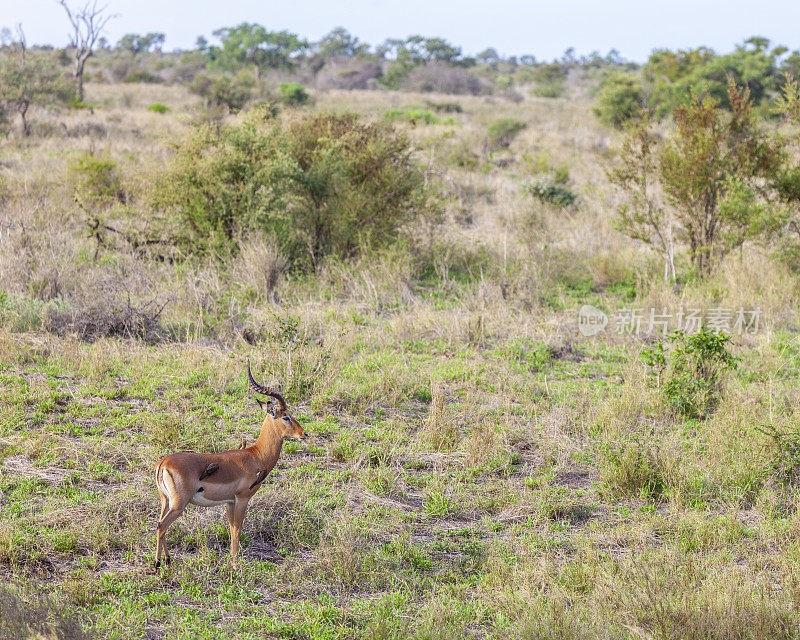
[{"x": 671, "y": 78}]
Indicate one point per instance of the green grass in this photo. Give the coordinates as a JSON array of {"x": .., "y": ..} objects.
[
  {"x": 475, "y": 468},
  {"x": 363, "y": 513}
]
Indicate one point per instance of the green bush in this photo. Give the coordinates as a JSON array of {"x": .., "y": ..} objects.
[
  {"x": 555, "y": 90},
  {"x": 690, "y": 372},
  {"x": 412, "y": 114},
  {"x": 157, "y": 107},
  {"x": 632, "y": 469},
  {"x": 502, "y": 131},
  {"x": 141, "y": 75},
  {"x": 445, "y": 107},
  {"x": 549, "y": 80},
  {"x": 619, "y": 100},
  {"x": 232, "y": 93},
  {"x": 94, "y": 179},
  {"x": 551, "y": 190},
  {"x": 321, "y": 184},
  {"x": 293, "y": 93}
]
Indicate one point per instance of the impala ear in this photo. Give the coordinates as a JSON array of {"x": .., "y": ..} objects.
[{"x": 266, "y": 406}]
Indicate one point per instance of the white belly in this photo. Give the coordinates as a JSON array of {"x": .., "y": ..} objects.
[{"x": 201, "y": 501}]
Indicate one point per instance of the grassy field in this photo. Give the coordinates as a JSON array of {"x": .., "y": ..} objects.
[{"x": 476, "y": 467}]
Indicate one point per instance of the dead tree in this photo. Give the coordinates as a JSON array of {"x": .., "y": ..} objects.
[{"x": 88, "y": 23}]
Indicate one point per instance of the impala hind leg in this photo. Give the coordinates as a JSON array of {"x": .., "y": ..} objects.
[
  {"x": 159, "y": 539},
  {"x": 161, "y": 546}
]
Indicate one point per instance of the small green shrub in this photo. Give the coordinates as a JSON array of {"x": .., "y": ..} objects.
[
  {"x": 502, "y": 131},
  {"x": 619, "y": 100},
  {"x": 551, "y": 190},
  {"x": 632, "y": 469},
  {"x": 232, "y": 93},
  {"x": 157, "y": 107},
  {"x": 502, "y": 83},
  {"x": 293, "y": 93},
  {"x": 94, "y": 179},
  {"x": 444, "y": 107},
  {"x": 549, "y": 80},
  {"x": 141, "y": 76},
  {"x": 690, "y": 372},
  {"x": 414, "y": 115}
]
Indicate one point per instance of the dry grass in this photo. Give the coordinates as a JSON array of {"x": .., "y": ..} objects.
[{"x": 477, "y": 468}]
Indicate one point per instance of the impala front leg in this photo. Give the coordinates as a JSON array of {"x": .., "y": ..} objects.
[{"x": 236, "y": 513}]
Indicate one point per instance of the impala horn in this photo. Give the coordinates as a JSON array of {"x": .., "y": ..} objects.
[{"x": 267, "y": 391}]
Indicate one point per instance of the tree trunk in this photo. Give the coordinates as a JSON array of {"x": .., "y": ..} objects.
[
  {"x": 80, "y": 62},
  {"x": 23, "y": 112}
]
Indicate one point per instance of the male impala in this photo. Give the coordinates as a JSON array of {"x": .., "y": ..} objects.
[{"x": 230, "y": 478}]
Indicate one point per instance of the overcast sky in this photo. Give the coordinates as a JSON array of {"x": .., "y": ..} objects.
[{"x": 544, "y": 28}]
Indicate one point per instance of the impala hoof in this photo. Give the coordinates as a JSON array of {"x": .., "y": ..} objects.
[{"x": 158, "y": 564}]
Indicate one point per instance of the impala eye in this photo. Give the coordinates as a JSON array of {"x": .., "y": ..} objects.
[{"x": 286, "y": 419}]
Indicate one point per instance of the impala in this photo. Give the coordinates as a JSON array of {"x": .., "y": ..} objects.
[{"x": 230, "y": 477}]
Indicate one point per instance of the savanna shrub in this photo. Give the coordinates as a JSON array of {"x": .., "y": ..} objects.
[
  {"x": 318, "y": 183},
  {"x": 141, "y": 76},
  {"x": 549, "y": 80},
  {"x": 293, "y": 93},
  {"x": 94, "y": 179},
  {"x": 551, "y": 190},
  {"x": 157, "y": 107},
  {"x": 412, "y": 114},
  {"x": 358, "y": 74},
  {"x": 441, "y": 78},
  {"x": 233, "y": 93},
  {"x": 445, "y": 107},
  {"x": 690, "y": 372},
  {"x": 502, "y": 131},
  {"x": 619, "y": 100}
]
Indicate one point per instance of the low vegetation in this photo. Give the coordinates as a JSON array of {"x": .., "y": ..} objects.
[{"x": 547, "y": 361}]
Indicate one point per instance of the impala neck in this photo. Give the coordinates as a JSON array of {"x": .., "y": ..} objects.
[{"x": 270, "y": 441}]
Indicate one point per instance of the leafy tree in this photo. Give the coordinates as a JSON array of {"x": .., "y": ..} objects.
[
  {"x": 416, "y": 51},
  {"x": 673, "y": 76},
  {"x": 791, "y": 65},
  {"x": 339, "y": 43},
  {"x": 27, "y": 80},
  {"x": 712, "y": 169},
  {"x": 488, "y": 56},
  {"x": 709, "y": 153},
  {"x": 252, "y": 44},
  {"x": 642, "y": 215},
  {"x": 135, "y": 44}
]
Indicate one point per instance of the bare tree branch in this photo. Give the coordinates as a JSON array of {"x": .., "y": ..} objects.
[{"x": 88, "y": 24}]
